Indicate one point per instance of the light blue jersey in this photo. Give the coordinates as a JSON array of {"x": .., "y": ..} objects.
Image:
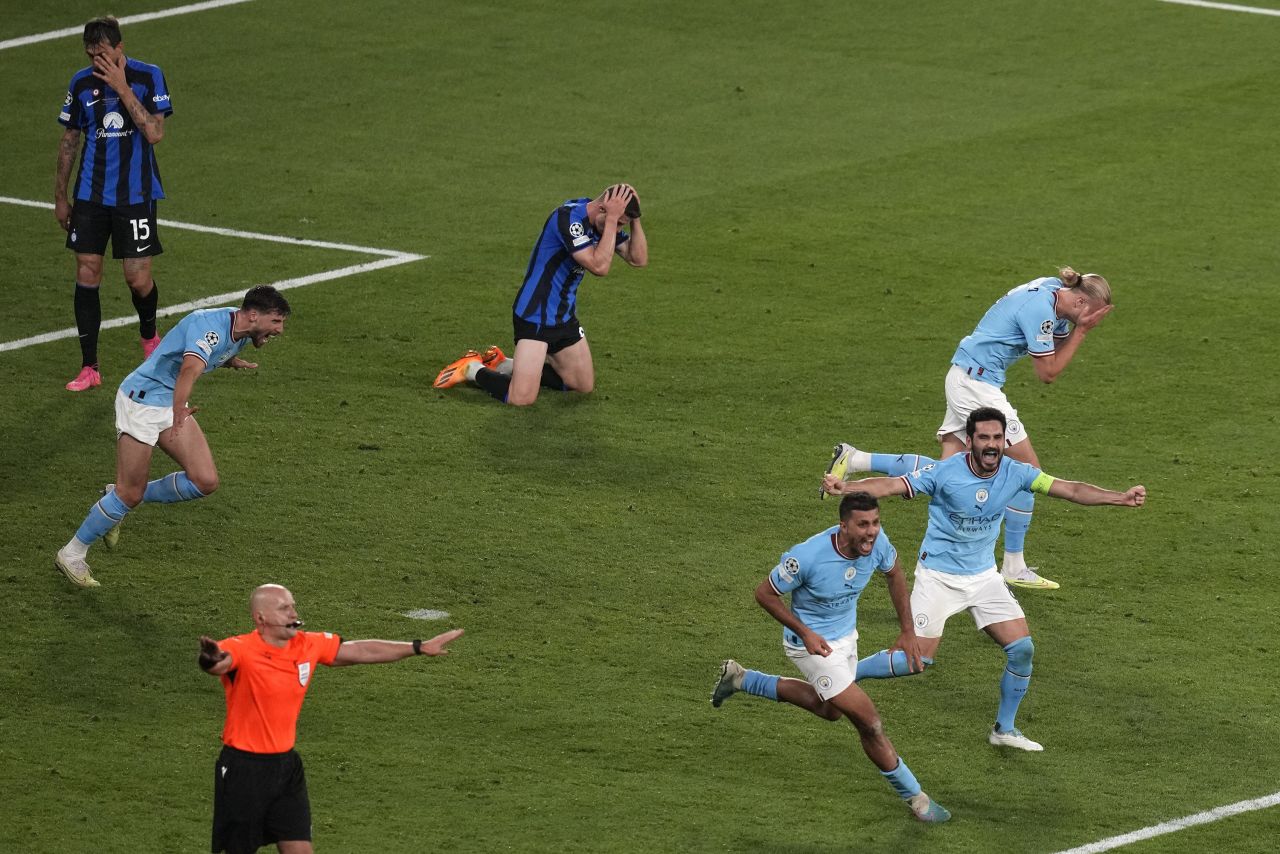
[
  {"x": 205, "y": 334},
  {"x": 1022, "y": 321},
  {"x": 825, "y": 584},
  {"x": 965, "y": 511}
]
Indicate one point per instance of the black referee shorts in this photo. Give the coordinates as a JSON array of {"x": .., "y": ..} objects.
[
  {"x": 557, "y": 337},
  {"x": 258, "y": 799}
]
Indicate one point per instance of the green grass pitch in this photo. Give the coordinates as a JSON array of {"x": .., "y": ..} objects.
[{"x": 834, "y": 193}]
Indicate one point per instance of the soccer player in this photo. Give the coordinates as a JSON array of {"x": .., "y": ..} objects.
[
  {"x": 119, "y": 104},
  {"x": 259, "y": 789},
  {"x": 956, "y": 571},
  {"x": 1047, "y": 318},
  {"x": 152, "y": 411},
  {"x": 825, "y": 575},
  {"x": 550, "y": 344}
]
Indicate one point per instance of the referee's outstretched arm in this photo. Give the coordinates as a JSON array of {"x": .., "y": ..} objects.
[{"x": 380, "y": 651}]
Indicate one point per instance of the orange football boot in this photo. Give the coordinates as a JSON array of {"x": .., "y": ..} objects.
[{"x": 456, "y": 371}]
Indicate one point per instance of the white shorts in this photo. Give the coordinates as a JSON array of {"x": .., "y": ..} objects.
[
  {"x": 965, "y": 394},
  {"x": 937, "y": 595},
  {"x": 828, "y": 674},
  {"x": 142, "y": 422}
]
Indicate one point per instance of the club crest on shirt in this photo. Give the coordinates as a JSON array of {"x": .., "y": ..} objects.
[
  {"x": 981, "y": 496},
  {"x": 304, "y": 673},
  {"x": 850, "y": 573}
]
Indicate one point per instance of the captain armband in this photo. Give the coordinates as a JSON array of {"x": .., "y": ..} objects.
[{"x": 1042, "y": 483}]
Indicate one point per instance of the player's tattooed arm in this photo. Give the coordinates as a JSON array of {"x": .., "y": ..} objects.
[
  {"x": 67, "y": 147},
  {"x": 112, "y": 72}
]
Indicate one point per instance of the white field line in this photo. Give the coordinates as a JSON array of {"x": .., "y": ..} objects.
[
  {"x": 1226, "y": 7},
  {"x": 390, "y": 258},
  {"x": 128, "y": 19},
  {"x": 1177, "y": 824}
]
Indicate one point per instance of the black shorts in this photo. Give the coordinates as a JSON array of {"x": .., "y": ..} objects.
[
  {"x": 557, "y": 337},
  {"x": 258, "y": 799},
  {"x": 133, "y": 230}
]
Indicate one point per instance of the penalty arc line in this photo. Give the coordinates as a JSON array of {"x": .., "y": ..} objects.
[
  {"x": 128, "y": 19},
  {"x": 390, "y": 258},
  {"x": 1177, "y": 824}
]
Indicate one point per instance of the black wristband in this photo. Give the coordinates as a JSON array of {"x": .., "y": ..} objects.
[{"x": 417, "y": 646}]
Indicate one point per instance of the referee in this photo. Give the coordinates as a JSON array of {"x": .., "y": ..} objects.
[{"x": 259, "y": 789}]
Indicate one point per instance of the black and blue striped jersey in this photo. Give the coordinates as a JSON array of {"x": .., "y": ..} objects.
[
  {"x": 549, "y": 294},
  {"x": 117, "y": 164}
]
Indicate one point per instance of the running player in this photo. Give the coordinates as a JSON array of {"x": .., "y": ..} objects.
[
  {"x": 152, "y": 411},
  {"x": 825, "y": 575},
  {"x": 956, "y": 569}
]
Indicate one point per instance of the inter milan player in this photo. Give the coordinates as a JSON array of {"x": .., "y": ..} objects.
[
  {"x": 259, "y": 788},
  {"x": 119, "y": 104},
  {"x": 956, "y": 568},
  {"x": 824, "y": 576},
  {"x": 1047, "y": 318},
  {"x": 550, "y": 344},
  {"x": 152, "y": 411}
]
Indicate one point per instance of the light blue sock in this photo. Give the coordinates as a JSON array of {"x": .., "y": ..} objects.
[
  {"x": 895, "y": 465},
  {"x": 104, "y": 515},
  {"x": 1017, "y": 520},
  {"x": 881, "y": 665},
  {"x": 171, "y": 488},
  {"x": 902, "y": 780},
  {"x": 760, "y": 684},
  {"x": 1013, "y": 683}
]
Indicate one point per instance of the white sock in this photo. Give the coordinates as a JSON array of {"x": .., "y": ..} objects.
[
  {"x": 75, "y": 548},
  {"x": 473, "y": 368},
  {"x": 506, "y": 366},
  {"x": 859, "y": 461},
  {"x": 1014, "y": 564}
]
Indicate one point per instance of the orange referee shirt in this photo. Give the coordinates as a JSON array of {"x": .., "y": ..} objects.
[{"x": 266, "y": 685}]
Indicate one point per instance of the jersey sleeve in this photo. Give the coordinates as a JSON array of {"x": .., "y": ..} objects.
[
  {"x": 200, "y": 339},
  {"x": 72, "y": 113},
  {"x": 924, "y": 479},
  {"x": 324, "y": 646},
  {"x": 571, "y": 226},
  {"x": 235, "y": 647},
  {"x": 158, "y": 99},
  {"x": 787, "y": 575},
  {"x": 1037, "y": 324},
  {"x": 886, "y": 554},
  {"x": 1027, "y": 475}
]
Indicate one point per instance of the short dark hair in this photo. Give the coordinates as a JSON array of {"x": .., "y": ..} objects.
[
  {"x": 104, "y": 29},
  {"x": 855, "y": 501},
  {"x": 983, "y": 413},
  {"x": 633, "y": 208},
  {"x": 266, "y": 299}
]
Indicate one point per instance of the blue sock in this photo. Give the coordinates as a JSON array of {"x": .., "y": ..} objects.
[
  {"x": 171, "y": 488},
  {"x": 881, "y": 665},
  {"x": 1017, "y": 520},
  {"x": 760, "y": 684},
  {"x": 1013, "y": 683},
  {"x": 902, "y": 780},
  {"x": 895, "y": 465},
  {"x": 104, "y": 515}
]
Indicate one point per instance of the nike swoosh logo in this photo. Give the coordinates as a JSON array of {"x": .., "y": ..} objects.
[
  {"x": 91, "y": 103},
  {"x": 140, "y": 248}
]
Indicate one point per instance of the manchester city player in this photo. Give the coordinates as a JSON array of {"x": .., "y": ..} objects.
[
  {"x": 956, "y": 571},
  {"x": 551, "y": 346},
  {"x": 152, "y": 411},
  {"x": 119, "y": 105},
  {"x": 825, "y": 575},
  {"x": 1047, "y": 318}
]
